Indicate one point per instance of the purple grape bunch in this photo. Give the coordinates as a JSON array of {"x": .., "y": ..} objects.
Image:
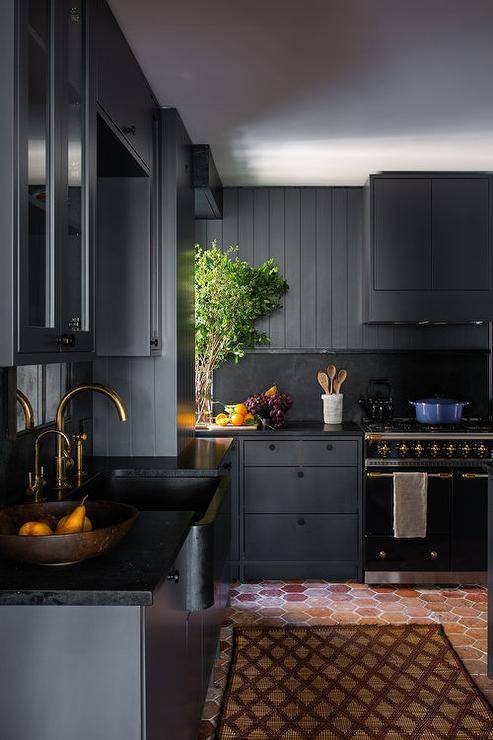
[{"x": 272, "y": 408}]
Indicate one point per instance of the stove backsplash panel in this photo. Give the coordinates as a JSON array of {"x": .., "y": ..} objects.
[{"x": 413, "y": 375}]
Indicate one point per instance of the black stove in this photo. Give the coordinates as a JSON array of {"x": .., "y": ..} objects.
[
  {"x": 406, "y": 441},
  {"x": 406, "y": 425}
]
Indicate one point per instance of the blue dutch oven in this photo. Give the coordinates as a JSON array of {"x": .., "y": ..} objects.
[{"x": 439, "y": 410}]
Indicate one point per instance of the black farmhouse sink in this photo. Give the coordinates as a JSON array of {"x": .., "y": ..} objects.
[{"x": 203, "y": 562}]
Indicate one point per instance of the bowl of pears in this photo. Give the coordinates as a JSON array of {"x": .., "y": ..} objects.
[{"x": 62, "y": 533}]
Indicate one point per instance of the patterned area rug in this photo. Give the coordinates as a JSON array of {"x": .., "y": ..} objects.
[{"x": 358, "y": 682}]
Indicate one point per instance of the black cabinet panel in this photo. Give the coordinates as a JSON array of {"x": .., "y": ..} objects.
[
  {"x": 329, "y": 571},
  {"x": 329, "y": 452},
  {"x": 310, "y": 490},
  {"x": 122, "y": 90},
  {"x": 301, "y": 537},
  {"x": 306, "y": 452},
  {"x": 460, "y": 233},
  {"x": 402, "y": 234},
  {"x": 275, "y": 452}
]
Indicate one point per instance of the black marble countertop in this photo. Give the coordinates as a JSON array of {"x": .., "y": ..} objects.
[
  {"x": 129, "y": 574},
  {"x": 125, "y": 576},
  {"x": 295, "y": 428}
]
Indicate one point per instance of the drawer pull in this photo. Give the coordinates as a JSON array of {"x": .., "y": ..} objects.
[
  {"x": 433, "y": 554},
  {"x": 382, "y": 554},
  {"x": 301, "y": 521},
  {"x": 301, "y": 474},
  {"x": 330, "y": 447},
  {"x": 272, "y": 447},
  {"x": 472, "y": 476}
]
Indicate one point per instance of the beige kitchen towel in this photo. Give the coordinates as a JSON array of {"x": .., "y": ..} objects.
[{"x": 410, "y": 504}]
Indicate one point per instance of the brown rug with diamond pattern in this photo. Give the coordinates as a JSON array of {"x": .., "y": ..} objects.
[{"x": 363, "y": 682}]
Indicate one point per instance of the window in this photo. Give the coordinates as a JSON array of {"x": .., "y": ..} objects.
[{"x": 43, "y": 386}]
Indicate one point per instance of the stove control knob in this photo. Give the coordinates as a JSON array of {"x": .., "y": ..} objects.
[
  {"x": 418, "y": 449},
  {"x": 450, "y": 449},
  {"x": 403, "y": 449},
  {"x": 482, "y": 449},
  {"x": 434, "y": 449},
  {"x": 383, "y": 449},
  {"x": 466, "y": 449}
]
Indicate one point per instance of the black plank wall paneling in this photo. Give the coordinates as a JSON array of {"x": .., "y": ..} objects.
[{"x": 316, "y": 236}]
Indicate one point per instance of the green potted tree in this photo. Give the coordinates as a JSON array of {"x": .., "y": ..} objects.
[{"x": 230, "y": 297}]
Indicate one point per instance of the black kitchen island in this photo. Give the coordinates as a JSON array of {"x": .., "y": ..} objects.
[{"x": 111, "y": 648}]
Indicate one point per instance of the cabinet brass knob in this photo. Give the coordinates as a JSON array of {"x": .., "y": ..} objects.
[
  {"x": 382, "y": 554},
  {"x": 272, "y": 447},
  {"x": 433, "y": 554}
]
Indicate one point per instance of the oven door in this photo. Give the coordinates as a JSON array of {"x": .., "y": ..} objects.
[
  {"x": 383, "y": 551},
  {"x": 469, "y": 520}
]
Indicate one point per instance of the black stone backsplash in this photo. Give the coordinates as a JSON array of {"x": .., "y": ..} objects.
[{"x": 413, "y": 375}]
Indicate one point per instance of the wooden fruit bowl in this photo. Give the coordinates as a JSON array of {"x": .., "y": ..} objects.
[{"x": 111, "y": 521}]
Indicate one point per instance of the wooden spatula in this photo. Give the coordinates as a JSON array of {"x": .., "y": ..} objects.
[
  {"x": 324, "y": 381},
  {"x": 331, "y": 372}
]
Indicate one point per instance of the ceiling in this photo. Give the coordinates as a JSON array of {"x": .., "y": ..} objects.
[{"x": 322, "y": 92}]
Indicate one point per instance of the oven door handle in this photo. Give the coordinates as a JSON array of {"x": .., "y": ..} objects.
[
  {"x": 472, "y": 476},
  {"x": 444, "y": 476}
]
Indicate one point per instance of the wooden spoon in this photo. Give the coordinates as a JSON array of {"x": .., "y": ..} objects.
[
  {"x": 331, "y": 372},
  {"x": 324, "y": 381},
  {"x": 336, "y": 386},
  {"x": 341, "y": 377}
]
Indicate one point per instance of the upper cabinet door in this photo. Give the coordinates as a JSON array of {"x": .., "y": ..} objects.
[
  {"x": 76, "y": 114},
  {"x": 429, "y": 248},
  {"x": 460, "y": 233},
  {"x": 37, "y": 164},
  {"x": 122, "y": 90},
  {"x": 402, "y": 234}
]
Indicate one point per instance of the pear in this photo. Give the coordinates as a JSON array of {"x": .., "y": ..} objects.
[
  {"x": 74, "y": 522},
  {"x": 87, "y": 523}
]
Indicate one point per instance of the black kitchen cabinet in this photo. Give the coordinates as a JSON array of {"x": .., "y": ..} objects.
[
  {"x": 429, "y": 247},
  {"x": 122, "y": 90},
  {"x": 47, "y": 186}
]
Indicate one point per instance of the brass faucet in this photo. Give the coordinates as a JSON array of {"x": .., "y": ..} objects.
[
  {"x": 36, "y": 482},
  {"x": 63, "y": 460},
  {"x": 27, "y": 408}
]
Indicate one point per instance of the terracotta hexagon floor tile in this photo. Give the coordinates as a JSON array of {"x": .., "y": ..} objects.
[
  {"x": 294, "y": 588},
  {"x": 431, "y": 597},
  {"x": 295, "y": 597},
  {"x": 407, "y": 593},
  {"x": 479, "y": 597},
  {"x": 270, "y": 592},
  {"x": 368, "y": 611},
  {"x": 319, "y": 612},
  {"x": 339, "y": 588},
  {"x": 465, "y": 611},
  {"x": 472, "y": 621},
  {"x": 386, "y": 598},
  {"x": 337, "y": 597}
]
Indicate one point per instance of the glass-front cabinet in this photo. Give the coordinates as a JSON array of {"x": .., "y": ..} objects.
[{"x": 54, "y": 168}]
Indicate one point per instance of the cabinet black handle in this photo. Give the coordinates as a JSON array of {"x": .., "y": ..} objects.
[
  {"x": 301, "y": 521},
  {"x": 154, "y": 342},
  {"x": 301, "y": 474},
  {"x": 272, "y": 447},
  {"x": 174, "y": 576},
  {"x": 227, "y": 465},
  {"x": 129, "y": 130},
  {"x": 330, "y": 447},
  {"x": 66, "y": 340}
]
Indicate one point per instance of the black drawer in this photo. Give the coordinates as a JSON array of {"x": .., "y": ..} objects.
[
  {"x": 329, "y": 452},
  {"x": 310, "y": 490},
  {"x": 264, "y": 452},
  {"x": 301, "y": 537},
  {"x": 389, "y": 553},
  {"x": 306, "y": 452}
]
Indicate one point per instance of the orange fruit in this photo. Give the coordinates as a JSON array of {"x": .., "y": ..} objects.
[
  {"x": 249, "y": 417},
  {"x": 237, "y": 420},
  {"x": 222, "y": 419},
  {"x": 34, "y": 529},
  {"x": 271, "y": 391},
  {"x": 240, "y": 408}
]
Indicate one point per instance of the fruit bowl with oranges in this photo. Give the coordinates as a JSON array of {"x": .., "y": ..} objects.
[{"x": 267, "y": 409}]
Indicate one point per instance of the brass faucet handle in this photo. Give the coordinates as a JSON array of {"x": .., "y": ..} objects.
[
  {"x": 78, "y": 440},
  {"x": 35, "y": 484}
]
